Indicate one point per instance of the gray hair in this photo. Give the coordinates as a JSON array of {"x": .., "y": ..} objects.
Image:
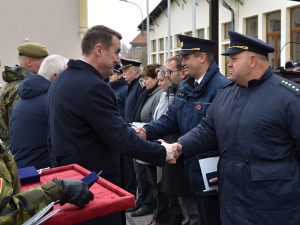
[
  {"x": 161, "y": 69},
  {"x": 52, "y": 64}
]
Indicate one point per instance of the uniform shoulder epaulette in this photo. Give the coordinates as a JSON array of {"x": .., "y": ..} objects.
[
  {"x": 141, "y": 81},
  {"x": 295, "y": 88}
]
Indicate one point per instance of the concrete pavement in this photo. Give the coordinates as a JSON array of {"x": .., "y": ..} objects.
[{"x": 142, "y": 220}]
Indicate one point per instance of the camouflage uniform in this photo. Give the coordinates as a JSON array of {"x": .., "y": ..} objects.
[
  {"x": 9, "y": 96},
  {"x": 16, "y": 207}
]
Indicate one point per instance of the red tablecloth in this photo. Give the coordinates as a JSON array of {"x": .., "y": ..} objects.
[{"x": 109, "y": 198}]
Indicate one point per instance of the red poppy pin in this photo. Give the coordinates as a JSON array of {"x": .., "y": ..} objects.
[{"x": 198, "y": 107}]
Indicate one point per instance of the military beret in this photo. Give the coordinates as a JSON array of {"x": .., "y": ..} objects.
[
  {"x": 33, "y": 50},
  {"x": 126, "y": 63},
  {"x": 240, "y": 42},
  {"x": 192, "y": 44},
  {"x": 117, "y": 68}
]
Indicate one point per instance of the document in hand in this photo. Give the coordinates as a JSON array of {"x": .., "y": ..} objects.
[{"x": 209, "y": 170}]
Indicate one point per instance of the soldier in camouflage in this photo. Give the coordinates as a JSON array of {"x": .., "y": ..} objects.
[
  {"x": 16, "y": 207},
  {"x": 30, "y": 58}
]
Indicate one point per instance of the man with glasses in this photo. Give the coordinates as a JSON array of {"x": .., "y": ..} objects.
[
  {"x": 175, "y": 72},
  {"x": 193, "y": 97}
]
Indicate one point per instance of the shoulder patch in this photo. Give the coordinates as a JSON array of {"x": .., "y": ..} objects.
[
  {"x": 295, "y": 88},
  {"x": 141, "y": 81},
  {"x": 0, "y": 185}
]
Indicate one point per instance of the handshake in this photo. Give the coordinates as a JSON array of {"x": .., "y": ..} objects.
[{"x": 173, "y": 151}]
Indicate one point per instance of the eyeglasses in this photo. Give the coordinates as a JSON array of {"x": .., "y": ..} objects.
[{"x": 171, "y": 71}]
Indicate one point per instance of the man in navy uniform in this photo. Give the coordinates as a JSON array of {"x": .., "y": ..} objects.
[
  {"x": 194, "y": 95},
  {"x": 120, "y": 87},
  {"x": 132, "y": 74},
  {"x": 255, "y": 122},
  {"x": 84, "y": 122}
]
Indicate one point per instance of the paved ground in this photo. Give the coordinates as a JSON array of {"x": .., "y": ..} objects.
[{"x": 142, "y": 220}]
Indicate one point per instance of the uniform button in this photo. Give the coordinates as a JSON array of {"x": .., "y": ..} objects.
[
  {"x": 297, "y": 89},
  {"x": 293, "y": 86},
  {"x": 290, "y": 84}
]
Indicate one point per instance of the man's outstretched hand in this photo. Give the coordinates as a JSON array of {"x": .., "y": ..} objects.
[
  {"x": 172, "y": 153},
  {"x": 141, "y": 132}
]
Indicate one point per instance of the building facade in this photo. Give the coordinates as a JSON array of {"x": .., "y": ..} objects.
[
  {"x": 139, "y": 48},
  {"x": 58, "y": 25},
  {"x": 276, "y": 22}
]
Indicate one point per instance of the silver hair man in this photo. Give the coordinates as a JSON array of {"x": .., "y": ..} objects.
[{"x": 51, "y": 66}]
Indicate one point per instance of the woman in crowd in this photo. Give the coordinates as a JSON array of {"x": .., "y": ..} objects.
[{"x": 145, "y": 109}]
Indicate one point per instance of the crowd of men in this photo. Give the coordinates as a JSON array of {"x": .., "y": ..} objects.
[{"x": 57, "y": 111}]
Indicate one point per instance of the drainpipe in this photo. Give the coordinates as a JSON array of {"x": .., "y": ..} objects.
[{"x": 232, "y": 13}]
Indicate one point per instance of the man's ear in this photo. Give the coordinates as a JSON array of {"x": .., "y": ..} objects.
[
  {"x": 203, "y": 57},
  {"x": 98, "y": 49},
  {"x": 253, "y": 61},
  {"x": 53, "y": 75}
]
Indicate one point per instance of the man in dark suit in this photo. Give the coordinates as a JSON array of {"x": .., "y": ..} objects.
[{"x": 84, "y": 123}]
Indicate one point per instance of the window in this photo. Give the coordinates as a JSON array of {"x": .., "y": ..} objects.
[
  {"x": 178, "y": 43},
  {"x": 161, "y": 44},
  {"x": 252, "y": 27},
  {"x": 226, "y": 61},
  {"x": 273, "y": 36},
  {"x": 200, "y": 33},
  {"x": 227, "y": 27},
  {"x": 153, "y": 58},
  {"x": 190, "y": 33},
  {"x": 161, "y": 59},
  {"x": 167, "y": 43},
  {"x": 208, "y": 33},
  {"x": 153, "y": 45},
  {"x": 295, "y": 34},
  {"x": 138, "y": 48}
]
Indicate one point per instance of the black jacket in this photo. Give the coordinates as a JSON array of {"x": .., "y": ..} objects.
[
  {"x": 136, "y": 87},
  {"x": 86, "y": 128},
  {"x": 120, "y": 88}
]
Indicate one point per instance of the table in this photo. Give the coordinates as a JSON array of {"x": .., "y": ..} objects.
[{"x": 108, "y": 198}]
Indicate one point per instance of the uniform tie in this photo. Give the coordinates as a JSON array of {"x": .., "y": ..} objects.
[{"x": 196, "y": 84}]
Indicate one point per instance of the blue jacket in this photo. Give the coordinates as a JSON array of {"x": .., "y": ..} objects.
[
  {"x": 187, "y": 109},
  {"x": 257, "y": 131},
  {"x": 120, "y": 88},
  {"x": 28, "y": 127},
  {"x": 86, "y": 127},
  {"x": 134, "y": 90}
]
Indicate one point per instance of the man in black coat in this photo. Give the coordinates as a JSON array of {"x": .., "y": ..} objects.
[{"x": 84, "y": 123}]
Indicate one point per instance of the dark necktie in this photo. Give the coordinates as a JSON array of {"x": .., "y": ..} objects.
[{"x": 196, "y": 84}]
